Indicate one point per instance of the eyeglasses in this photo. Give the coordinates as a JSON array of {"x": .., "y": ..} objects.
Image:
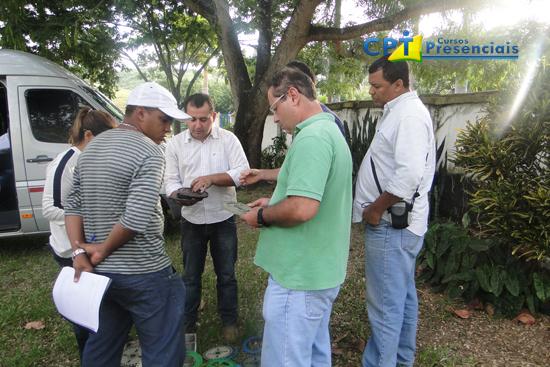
[{"x": 273, "y": 107}]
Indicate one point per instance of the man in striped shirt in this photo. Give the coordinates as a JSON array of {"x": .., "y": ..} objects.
[{"x": 114, "y": 222}]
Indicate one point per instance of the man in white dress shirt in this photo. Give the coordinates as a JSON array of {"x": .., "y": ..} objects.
[
  {"x": 398, "y": 167},
  {"x": 207, "y": 158}
]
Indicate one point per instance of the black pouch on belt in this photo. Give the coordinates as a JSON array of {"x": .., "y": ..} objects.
[{"x": 399, "y": 213}]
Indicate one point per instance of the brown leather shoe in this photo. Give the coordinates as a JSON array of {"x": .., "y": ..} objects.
[{"x": 230, "y": 333}]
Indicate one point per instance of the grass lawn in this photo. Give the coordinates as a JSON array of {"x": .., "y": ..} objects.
[{"x": 27, "y": 273}]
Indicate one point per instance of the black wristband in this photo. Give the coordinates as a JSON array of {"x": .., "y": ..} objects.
[{"x": 260, "y": 218}]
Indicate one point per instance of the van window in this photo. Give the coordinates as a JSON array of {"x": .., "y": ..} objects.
[
  {"x": 52, "y": 112},
  {"x": 105, "y": 103}
]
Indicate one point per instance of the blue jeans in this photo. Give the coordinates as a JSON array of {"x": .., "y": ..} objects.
[
  {"x": 154, "y": 302},
  {"x": 390, "y": 258},
  {"x": 223, "y": 249},
  {"x": 296, "y": 330},
  {"x": 81, "y": 333}
]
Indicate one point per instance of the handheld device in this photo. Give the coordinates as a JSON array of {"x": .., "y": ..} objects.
[{"x": 186, "y": 193}]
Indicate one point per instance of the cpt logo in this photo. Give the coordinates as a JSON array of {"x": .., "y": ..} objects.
[{"x": 410, "y": 48}]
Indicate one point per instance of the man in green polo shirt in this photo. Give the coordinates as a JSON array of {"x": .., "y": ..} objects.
[{"x": 305, "y": 227}]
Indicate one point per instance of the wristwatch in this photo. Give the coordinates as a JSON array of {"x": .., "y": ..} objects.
[
  {"x": 77, "y": 252},
  {"x": 260, "y": 218}
]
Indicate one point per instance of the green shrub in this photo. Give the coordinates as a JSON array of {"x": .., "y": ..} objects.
[
  {"x": 468, "y": 267},
  {"x": 359, "y": 139},
  {"x": 274, "y": 155},
  {"x": 499, "y": 254},
  {"x": 508, "y": 163}
]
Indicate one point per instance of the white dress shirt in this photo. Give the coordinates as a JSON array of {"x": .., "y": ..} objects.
[
  {"x": 403, "y": 151},
  {"x": 188, "y": 158},
  {"x": 52, "y": 207}
]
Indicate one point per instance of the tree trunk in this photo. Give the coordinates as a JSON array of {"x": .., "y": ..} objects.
[
  {"x": 249, "y": 125},
  {"x": 250, "y": 99}
]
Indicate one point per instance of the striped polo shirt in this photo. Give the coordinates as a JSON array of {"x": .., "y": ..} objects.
[{"x": 117, "y": 180}]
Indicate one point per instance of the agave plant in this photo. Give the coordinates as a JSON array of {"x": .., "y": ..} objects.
[{"x": 359, "y": 139}]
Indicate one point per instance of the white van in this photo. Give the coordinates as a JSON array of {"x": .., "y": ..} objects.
[{"x": 38, "y": 103}]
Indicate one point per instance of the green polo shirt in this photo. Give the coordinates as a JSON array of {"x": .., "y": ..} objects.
[{"x": 312, "y": 255}]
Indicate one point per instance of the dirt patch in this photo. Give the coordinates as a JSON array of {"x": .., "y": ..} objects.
[
  {"x": 443, "y": 338},
  {"x": 481, "y": 339}
]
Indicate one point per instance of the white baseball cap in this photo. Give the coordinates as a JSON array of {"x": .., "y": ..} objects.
[{"x": 154, "y": 95}]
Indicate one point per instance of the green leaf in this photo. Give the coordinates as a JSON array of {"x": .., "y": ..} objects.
[
  {"x": 465, "y": 220},
  {"x": 429, "y": 242},
  {"x": 440, "y": 270},
  {"x": 430, "y": 259},
  {"x": 479, "y": 245},
  {"x": 452, "y": 264},
  {"x": 530, "y": 300},
  {"x": 442, "y": 247},
  {"x": 468, "y": 262},
  {"x": 460, "y": 243},
  {"x": 542, "y": 289},
  {"x": 67, "y": 36},
  {"x": 482, "y": 275},
  {"x": 465, "y": 276},
  {"x": 496, "y": 281},
  {"x": 512, "y": 283}
]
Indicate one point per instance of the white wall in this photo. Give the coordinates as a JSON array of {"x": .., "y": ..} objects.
[
  {"x": 450, "y": 114},
  {"x": 272, "y": 130}
]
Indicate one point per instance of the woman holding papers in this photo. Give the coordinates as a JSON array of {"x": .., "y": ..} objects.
[{"x": 59, "y": 181}]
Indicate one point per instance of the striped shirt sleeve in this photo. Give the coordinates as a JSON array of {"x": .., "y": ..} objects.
[{"x": 143, "y": 194}]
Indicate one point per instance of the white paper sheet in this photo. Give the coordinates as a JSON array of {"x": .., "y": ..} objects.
[
  {"x": 236, "y": 207},
  {"x": 79, "y": 302}
]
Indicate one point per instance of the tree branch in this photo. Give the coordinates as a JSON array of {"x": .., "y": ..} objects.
[
  {"x": 143, "y": 76},
  {"x": 317, "y": 33},
  {"x": 232, "y": 53},
  {"x": 203, "y": 7},
  {"x": 182, "y": 66},
  {"x": 163, "y": 55},
  {"x": 293, "y": 40},
  {"x": 198, "y": 73},
  {"x": 182, "y": 69}
]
